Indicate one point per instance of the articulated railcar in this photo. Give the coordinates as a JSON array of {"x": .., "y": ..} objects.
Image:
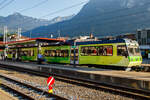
[
  {"x": 119, "y": 52},
  {"x": 56, "y": 54}
]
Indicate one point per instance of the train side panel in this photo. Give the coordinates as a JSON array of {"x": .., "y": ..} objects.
[
  {"x": 29, "y": 54},
  {"x": 110, "y": 60},
  {"x": 9, "y": 53},
  {"x": 56, "y": 54}
]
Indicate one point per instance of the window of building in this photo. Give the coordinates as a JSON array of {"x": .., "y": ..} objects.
[
  {"x": 139, "y": 34},
  {"x": 148, "y": 34}
]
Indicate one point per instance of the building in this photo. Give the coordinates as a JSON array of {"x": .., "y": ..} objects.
[
  {"x": 128, "y": 36},
  {"x": 15, "y": 37},
  {"x": 143, "y": 38}
]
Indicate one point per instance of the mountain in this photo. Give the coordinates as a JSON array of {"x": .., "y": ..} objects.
[
  {"x": 60, "y": 19},
  {"x": 102, "y": 17},
  {"x": 26, "y": 23}
]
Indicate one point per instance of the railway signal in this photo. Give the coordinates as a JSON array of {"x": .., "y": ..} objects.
[
  {"x": 50, "y": 89},
  {"x": 50, "y": 82}
]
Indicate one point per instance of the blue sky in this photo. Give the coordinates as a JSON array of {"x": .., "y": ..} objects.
[{"x": 43, "y": 9}]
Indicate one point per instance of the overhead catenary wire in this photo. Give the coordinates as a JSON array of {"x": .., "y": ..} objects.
[
  {"x": 122, "y": 14},
  {"x": 64, "y": 9},
  {"x": 110, "y": 19},
  {"x": 91, "y": 17},
  {"x": 102, "y": 13},
  {"x": 2, "y": 2},
  {"x": 34, "y": 6},
  {"x": 6, "y": 4},
  {"x": 61, "y": 10}
]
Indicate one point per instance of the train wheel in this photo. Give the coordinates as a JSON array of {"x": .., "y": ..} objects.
[{"x": 128, "y": 69}]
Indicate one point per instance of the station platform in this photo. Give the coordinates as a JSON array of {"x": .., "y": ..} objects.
[{"x": 133, "y": 80}]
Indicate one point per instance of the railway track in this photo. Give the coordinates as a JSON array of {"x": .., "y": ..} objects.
[
  {"x": 129, "y": 92},
  {"x": 26, "y": 90},
  {"x": 15, "y": 92}
]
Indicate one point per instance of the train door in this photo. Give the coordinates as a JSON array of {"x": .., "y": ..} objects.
[
  {"x": 18, "y": 54},
  {"x": 74, "y": 56}
]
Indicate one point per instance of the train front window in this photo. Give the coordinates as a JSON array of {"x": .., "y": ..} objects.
[
  {"x": 134, "y": 51},
  {"x": 122, "y": 50},
  {"x": 131, "y": 51},
  {"x": 137, "y": 51}
]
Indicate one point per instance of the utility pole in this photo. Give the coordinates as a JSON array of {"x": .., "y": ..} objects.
[
  {"x": 30, "y": 33},
  {"x": 58, "y": 33},
  {"x": 51, "y": 35},
  {"x": 19, "y": 34},
  {"x": 74, "y": 52},
  {"x": 5, "y": 41},
  {"x": 4, "y": 34}
]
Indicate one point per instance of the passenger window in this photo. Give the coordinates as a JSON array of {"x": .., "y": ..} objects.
[
  {"x": 56, "y": 53},
  {"x": 121, "y": 50},
  {"x": 46, "y": 53},
  {"x": 107, "y": 50},
  {"x": 84, "y": 51},
  {"x": 97, "y": 51},
  {"x": 66, "y": 53},
  {"x": 32, "y": 52},
  {"x": 100, "y": 50},
  {"x": 93, "y": 51}
]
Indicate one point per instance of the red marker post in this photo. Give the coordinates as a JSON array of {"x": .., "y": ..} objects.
[{"x": 50, "y": 82}]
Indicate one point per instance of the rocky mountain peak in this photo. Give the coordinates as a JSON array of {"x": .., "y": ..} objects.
[{"x": 104, "y": 17}]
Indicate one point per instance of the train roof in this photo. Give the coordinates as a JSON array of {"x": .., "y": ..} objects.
[
  {"x": 54, "y": 42},
  {"x": 97, "y": 42}
]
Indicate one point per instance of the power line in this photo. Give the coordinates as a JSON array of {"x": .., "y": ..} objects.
[
  {"x": 91, "y": 17},
  {"x": 110, "y": 22},
  {"x": 3, "y": 2},
  {"x": 64, "y": 9},
  {"x": 34, "y": 6},
  {"x": 118, "y": 10},
  {"x": 110, "y": 19},
  {"x": 6, "y": 4},
  {"x": 104, "y": 19}
]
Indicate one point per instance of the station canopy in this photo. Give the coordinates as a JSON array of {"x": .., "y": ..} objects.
[
  {"x": 34, "y": 42},
  {"x": 2, "y": 45}
]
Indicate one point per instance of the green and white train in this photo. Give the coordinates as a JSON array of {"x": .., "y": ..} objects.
[{"x": 118, "y": 53}]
